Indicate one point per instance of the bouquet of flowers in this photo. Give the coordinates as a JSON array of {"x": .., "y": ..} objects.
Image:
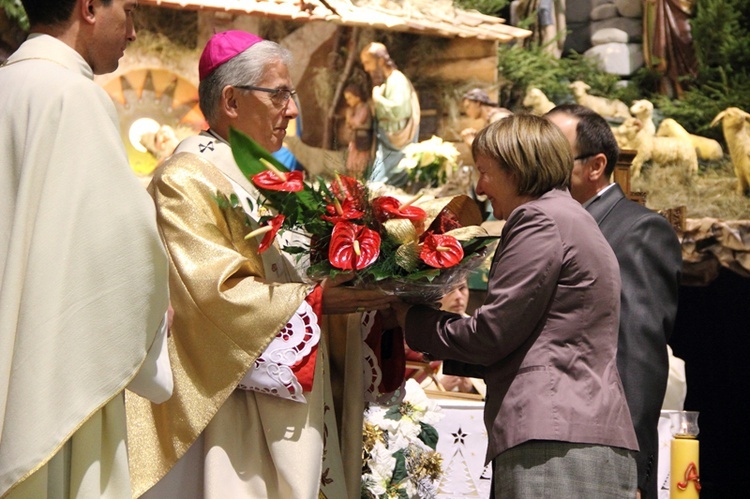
[
  {"x": 415, "y": 252},
  {"x": 431, "y": 162},
  {"x": 399, "y": 454}
]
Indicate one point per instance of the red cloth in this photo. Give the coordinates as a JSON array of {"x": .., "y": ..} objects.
[
  {"x": 304, "y": 370},
  {"x": 388, "y": 347}
]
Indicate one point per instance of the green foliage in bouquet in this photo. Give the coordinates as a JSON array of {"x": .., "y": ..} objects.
[
  {"x": 299, "y": 207},
  {"x": 381, "y": 240}
]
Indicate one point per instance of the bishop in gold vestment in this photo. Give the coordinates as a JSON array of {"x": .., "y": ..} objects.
[{"x": 224, "y": 433}]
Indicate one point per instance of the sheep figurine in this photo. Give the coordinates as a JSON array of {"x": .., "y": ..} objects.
[
  {"x": 608, "y": 108},
  {"x": 736, "y": 125},
  {"x": 537, "y": 101},
  {"x": 660, "y": 150},
  {"x": 707, "y": 149},
  {"x": 619, "y": 133},
  {"x": 643, "y": 110}
]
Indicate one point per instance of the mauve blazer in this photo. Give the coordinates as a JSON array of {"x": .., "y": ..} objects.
[{"x": 546, "y": 333}]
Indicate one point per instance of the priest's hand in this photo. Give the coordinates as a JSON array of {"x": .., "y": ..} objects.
[{"x": 340, "y": 299}]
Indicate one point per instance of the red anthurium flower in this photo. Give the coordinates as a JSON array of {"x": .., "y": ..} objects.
[
  {"x": 387, "y": 207},
  {"x": 270, "y": 230},
  {"x": 383, "y": 207},
  {"x": 341, "y": 212},
  {"x": 444, "y": 222},
  {"x": 279, "y": 181},
  {"x": 353, "y": 246},
  {"x": 441, "y": 251},
  {"x": 344, "y": 187}
]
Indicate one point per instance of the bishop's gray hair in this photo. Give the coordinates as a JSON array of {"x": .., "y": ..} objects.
[{"x": 246, "y": 68}]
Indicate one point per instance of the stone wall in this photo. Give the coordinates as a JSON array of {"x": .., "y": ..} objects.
[
  {"x": 610, "y": 31},
  {"x": 617, "y": 35}
]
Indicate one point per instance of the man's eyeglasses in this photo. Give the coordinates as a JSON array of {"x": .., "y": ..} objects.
[{"x": 279, "y": 96}]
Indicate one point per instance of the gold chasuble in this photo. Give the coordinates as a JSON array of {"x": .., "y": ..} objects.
[{"x": 212, "y": 439}]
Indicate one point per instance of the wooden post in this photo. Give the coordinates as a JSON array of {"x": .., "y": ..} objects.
[
  {"x": 622, "y": 176},
  {"x": 352, "y": 57},
  {"x": 676, "y": 217},
  {"x": 622, "y": 170}
]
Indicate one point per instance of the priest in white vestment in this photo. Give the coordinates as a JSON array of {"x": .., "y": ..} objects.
[
  {"x": 83, "y": 274},
  {"x": 254, "y": 411}
]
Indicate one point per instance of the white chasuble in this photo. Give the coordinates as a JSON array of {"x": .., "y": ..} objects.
[{"x": 83, "y": 277}]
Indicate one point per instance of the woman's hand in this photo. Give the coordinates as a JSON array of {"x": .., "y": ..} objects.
[
  {"x": 338, "y": 299},
  {"x": 401, "y": 308}
]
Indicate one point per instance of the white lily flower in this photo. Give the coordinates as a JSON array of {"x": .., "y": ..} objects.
[
  {"x": 428, "y": 157},
  {"x": 375, "y": 487},
  {"x": 409, "y": 162},
  {"x": 382, "y": 464},
  {"x": 406, "y": 433},
  {"x": 423, "y": 409}
]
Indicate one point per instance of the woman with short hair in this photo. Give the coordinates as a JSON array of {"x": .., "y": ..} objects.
[{"x": 546, "y": 335}]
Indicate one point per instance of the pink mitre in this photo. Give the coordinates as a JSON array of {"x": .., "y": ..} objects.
[{"x": 222, "y": 47}]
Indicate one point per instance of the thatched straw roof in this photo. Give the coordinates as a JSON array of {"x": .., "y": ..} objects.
[{"x": 428, "y": 18}]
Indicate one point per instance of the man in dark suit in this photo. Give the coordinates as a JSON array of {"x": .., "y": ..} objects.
[{"x": 650, "y": 258}]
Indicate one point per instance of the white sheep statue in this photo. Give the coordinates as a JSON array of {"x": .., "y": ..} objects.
[
  {"x": 660, "y": 150},
  {"x": 707, "y": 149},
  {"x": 643, "y": 110},
  {"x": 608, "y": 108},
  {"x": 736, "y": 125},
  {"x": 537, "y": 101},
  {"x": 622, "y": 140}
]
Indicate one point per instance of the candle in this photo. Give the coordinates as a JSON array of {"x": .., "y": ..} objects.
[{"x": 684, "y": 477}]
